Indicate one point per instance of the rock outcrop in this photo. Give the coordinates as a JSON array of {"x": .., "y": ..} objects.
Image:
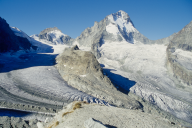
[
  {"x": 9, "y": 41},
  {"x": 179, "y": 55},
  {"x": 82, "y": 71}
]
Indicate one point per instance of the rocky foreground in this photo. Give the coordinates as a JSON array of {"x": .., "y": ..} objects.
[{"x": 84, "y": 115}]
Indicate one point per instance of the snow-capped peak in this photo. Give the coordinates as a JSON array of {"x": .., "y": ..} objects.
[
  {"x": 121, "y": 14},
  {"x": 52, "y": 36},
  {"x": 123, "y": 21},
  {"x": 56, "y": 36}
]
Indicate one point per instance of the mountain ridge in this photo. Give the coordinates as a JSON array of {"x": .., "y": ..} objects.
[
  {"x": 53, "y": 36},
  {"x": 116, "y": 27},
  {"x": 10, "y": 41}
]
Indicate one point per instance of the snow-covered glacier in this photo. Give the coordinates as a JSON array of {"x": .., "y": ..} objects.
[{"x": 135, "y": 64}]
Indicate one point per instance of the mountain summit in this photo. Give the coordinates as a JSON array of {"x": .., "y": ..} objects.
[
  {"x": 116, "y": 27},
  {"x": 53, "y": 36},
  {"x": 120, "y": 23}
]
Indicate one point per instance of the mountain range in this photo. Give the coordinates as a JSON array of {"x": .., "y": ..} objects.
[{"x": 111, "y": 63}]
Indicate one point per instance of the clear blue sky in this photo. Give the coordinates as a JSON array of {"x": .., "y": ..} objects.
[{"x": 153, "y": 18}]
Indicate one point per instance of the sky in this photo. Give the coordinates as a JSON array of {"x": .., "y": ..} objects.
[{"x": 155, "y": 19}]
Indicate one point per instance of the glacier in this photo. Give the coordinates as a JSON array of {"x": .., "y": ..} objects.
[{"x": 136, "y": 65}]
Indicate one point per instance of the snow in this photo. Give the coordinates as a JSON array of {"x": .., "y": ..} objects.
[
  {"x": 31, "y": 78},
  {"x": 122, "y": 22},
  {"x": 183, "y": 53},
  {"x": 111, "y": 28},
  {"x": 44, "y": 45},
  {"x": 140, "y": 68},
  {"x": 145, "y": 64},
  {"x": 184, "y": 58},
  {"x": 76, "y": 43},
  {"x": 56, "y": 36},
  {"x": 138, "y": 57}
]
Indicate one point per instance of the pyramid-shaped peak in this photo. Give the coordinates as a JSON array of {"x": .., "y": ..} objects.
[{"x": 120, "y": 15}]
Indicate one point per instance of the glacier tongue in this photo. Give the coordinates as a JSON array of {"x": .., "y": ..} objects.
[{"x": 145, "y": 65}]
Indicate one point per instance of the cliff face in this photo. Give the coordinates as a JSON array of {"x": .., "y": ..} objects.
[
  {"x": 179, "y": 55},
  {"x": 9, "y": 41}
]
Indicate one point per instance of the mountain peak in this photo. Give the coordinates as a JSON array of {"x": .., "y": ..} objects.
[
  {"x": 53, "y": 36},
  {"x": 49, "y": 30},
  {"x": 121, "y": 14}
]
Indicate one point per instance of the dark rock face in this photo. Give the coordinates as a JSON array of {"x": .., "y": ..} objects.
[
  {"x": 82, "y": 71},
  {"x": 9, "y": 41},
  {"x": 178, "y": 65}
]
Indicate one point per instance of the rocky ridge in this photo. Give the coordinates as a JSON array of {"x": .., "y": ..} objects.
[
  {"x": 82, "y": 70},
  {"x": 179, "y": 55},
  {"x": 9, "y": 41}
]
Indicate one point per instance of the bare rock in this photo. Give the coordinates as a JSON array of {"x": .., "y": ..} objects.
[
  {"x": 99, "y": 116},
  {"x": 179, "y": 60},
  {"x": 82, "y": 71}
]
